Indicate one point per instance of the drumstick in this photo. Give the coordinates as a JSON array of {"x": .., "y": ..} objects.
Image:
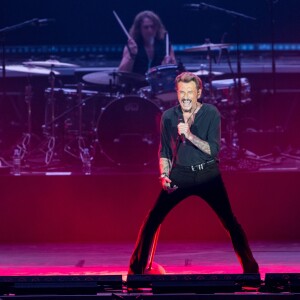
[
  {"x": 121, "y": 24},
  {"x": 167, "y": 44}
]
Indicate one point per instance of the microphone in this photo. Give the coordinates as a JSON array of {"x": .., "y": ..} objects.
[
  {"x": 182, "y": 136},
  {"x": 42, "y": 22}
]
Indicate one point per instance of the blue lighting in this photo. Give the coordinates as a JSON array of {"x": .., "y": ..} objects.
[{"x": 75, "y": 49}]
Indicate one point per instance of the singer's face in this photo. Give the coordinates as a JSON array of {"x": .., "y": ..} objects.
[
  {"x": 148, "y": 29},
  {"x": 188, "y": 95}
]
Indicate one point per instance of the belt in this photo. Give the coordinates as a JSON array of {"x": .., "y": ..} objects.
[{"x": 197, "y": 167}]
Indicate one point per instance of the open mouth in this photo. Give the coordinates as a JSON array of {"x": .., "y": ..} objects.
[{"x": 186, "y": 102}]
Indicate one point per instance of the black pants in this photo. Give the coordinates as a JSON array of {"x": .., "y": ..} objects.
[{"x": 208, "y": 185}]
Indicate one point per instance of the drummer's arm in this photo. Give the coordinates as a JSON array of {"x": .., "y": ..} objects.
[
  {"x": 170, "y": 59},
  {"x": 127, "y": 61}
]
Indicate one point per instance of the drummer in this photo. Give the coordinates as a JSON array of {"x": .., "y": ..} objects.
[{"x": 148, "y": 46}]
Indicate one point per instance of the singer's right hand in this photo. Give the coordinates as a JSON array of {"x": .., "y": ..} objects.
[{"x": 183, "y": 128}]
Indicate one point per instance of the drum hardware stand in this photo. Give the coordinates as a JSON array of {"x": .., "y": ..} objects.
[
  {"x": 232, "y": 144},
  {"x": 234, "y": 147},
  {"x": 271, "y": 8},
  {"x": 51, "y": 138},
  {"x": 291, "y": 156},
  {"x": 237, "y": 16},
  {"x": 289, "y": 152},
  {"x": 3, "y": 63},
  {"x": 3, "y": 33},
  {"x": 49, "y": 128},
  {"x": 85, "y": 155},
  {"x": 277, "y": 154},
  {"x": 113, "y": 86},
  {"x": 209, "y": 57},
  {"x": 233, "y": 155},
  {"x": 26, "y": 143}
]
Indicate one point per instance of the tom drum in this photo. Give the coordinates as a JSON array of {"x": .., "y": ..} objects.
[{"x": 162, "y": 82}]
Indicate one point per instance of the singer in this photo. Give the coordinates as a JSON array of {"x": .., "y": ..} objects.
[{"x": 190, "y": 168}]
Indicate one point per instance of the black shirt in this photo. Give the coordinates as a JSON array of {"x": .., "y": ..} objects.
[
  {"x": 206, "y": 126},
  {"x": 142, "y": 64}
]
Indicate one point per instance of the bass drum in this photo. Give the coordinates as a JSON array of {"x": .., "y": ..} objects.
[{"x": 128, "y": 131}]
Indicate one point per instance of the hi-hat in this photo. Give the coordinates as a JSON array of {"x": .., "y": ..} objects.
[
  {"x": 30, "y": 69},
  {"x": 106, "y": 78},
  {"x": 205, "y": 73},
  {"x": 50, "y": 63},
  {"x": 206, "y": 47}
]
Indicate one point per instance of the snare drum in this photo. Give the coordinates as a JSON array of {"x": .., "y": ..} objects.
[
  {"x": 128, "y": 131},
  {"x": 162, "y": 82},
  {"x": 225, "y": 92}
]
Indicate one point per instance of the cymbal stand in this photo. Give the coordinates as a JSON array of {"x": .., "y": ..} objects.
[
  {"x": 209, "y": 57},
  {"x": 3, "y": 33},
  {"x": 272, "y": 20},
  {"x": 85, "y": 156},
  {"x": 84, "y": 152},
  {"x": 24, "y": 146},
  {"x": 232, "y": 147},
  {"x": 231, "y": 140},
  {"x": 51, "y": 138},
  {"x": 271, "y": 5}
]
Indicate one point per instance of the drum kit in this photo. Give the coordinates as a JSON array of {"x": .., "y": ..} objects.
[
  {"x": 110, "y": 111},
  {"x": 117, "y": 112},
  {"x": 127, "y": 127}
]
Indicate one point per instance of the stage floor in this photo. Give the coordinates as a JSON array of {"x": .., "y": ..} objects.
[{"x": 112, "y": 258}]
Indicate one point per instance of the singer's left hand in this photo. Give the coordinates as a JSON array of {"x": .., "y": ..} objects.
[{"x": 184, "y": 128}]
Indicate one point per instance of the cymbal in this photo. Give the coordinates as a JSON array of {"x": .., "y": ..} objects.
[
  {"x": 30, "y": 69},
  {"x": 106, "y": 78},
  {"x": 206, "y": 47},
  {"x": 50, "y": 63},
  {"x": 205, "y": 73}
]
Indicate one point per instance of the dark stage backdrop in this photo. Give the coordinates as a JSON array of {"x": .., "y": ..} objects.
[{"x": 92, "y": 21}]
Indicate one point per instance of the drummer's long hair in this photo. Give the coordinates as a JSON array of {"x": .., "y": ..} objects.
[{"x": 135, "y": 30}]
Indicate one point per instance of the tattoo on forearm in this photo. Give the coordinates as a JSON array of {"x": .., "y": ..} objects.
[
  {"x": 200, "y": 144},
  {"x": 165, "y": 165}
]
